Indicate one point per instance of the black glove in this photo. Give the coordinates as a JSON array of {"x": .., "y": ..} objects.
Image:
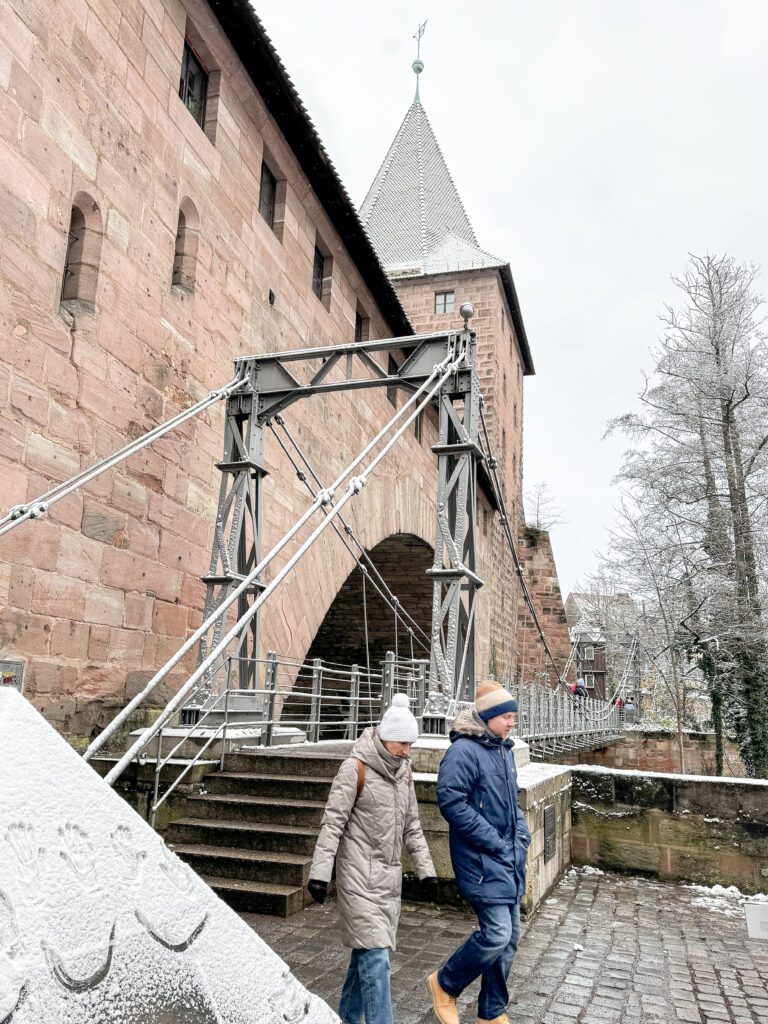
[
  {"x": 429, "y": 889},
  {"x": 319, "y": 890}
]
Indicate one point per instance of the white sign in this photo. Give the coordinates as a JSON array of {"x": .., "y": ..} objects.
[
  {"x": 757, "y": 920},
  {"x": 12, "y": 674}
]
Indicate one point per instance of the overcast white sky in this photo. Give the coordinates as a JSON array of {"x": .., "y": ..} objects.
[{"x": 594, "y": 145}]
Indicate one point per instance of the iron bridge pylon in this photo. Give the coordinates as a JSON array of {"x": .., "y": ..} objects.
[{"x": 268, "y": 385}]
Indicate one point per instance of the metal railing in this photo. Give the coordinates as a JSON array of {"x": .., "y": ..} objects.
[
  {"x": 330, "y": 701},
  {"x": 555, "y": 721},
  {"x": 325, "y": 700}
]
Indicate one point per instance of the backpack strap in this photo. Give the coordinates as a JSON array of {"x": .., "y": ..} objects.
[{"x": 360, "y": 778}]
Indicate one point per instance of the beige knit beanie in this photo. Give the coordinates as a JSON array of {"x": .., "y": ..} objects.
[{"x": 491, "y": 699}]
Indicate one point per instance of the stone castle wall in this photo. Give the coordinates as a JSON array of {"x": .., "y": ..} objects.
[
  {"x": 655, "y": 751},
  {"x": 95, "y": 597},
  {"x": 99, "y": 594},
  {"x": 538, "y": 562}
]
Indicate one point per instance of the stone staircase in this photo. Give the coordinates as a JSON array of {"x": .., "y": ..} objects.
[{"x": 252, "y": 833}]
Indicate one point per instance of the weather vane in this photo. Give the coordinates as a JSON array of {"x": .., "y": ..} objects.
[
  {"x": 418, "y": 64},
  {"x": 418, "y": 36}
]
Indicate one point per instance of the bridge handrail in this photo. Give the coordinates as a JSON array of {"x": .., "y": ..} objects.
[{"x": 559, "y": 719}]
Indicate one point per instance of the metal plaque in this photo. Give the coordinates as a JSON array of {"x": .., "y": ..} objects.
[
  {"x": 12, "y": 674},
  {"x": 550, "y": 832}
]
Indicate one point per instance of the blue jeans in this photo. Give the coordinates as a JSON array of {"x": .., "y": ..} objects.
[
  {"x": 366, "y": 992},
  {"x": 489, "y": 953}
]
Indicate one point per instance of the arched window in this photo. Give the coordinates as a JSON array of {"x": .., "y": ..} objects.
[
  {"x": 185, "y": 251},
  {"x": 81, "y": 264}
]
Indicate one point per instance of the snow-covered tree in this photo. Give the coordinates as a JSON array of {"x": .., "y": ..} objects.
[{"x": 695, "y": 484}]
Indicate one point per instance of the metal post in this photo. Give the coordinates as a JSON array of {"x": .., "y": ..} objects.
[
  {"x": 156, "y": 786},
  {"x": 421, "y": 688},
  {"x": 270, "y": 686},
  {"x": 354, "y": 704},
  {"x": 314, "y": 708},
  {"x": 226, "y": 713},
  {"x": 237, "y": 533},
  {"x": 455, "y": 581},
  {"x": 387, "y": 681}
]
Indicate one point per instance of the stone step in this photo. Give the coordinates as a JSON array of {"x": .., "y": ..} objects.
[
  {"x": 246, "y": 865},
  {"x": 298, "y": 762},
  {"x": 145, "y": 772},
  {"x": 298, "y": 787},
  {"x": 246, "y": 835},
  {"x": 257, "y": 897},
  {"x": 241, "y": 807}
]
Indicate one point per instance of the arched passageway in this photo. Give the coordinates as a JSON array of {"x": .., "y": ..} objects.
[
  {"x": 403, "y": 560},
  {"x": 354, "y": 632}
]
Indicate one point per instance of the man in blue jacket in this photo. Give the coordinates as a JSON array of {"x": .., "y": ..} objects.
[{"x": 489, "y": 839}]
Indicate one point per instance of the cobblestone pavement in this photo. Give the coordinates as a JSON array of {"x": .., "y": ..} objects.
[{"x": 602, "y": 949}]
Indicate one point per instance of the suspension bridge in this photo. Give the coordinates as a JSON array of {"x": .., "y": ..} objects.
[
  {"x": 237, "y": 698},
  {"x": 438, "y": 668}
]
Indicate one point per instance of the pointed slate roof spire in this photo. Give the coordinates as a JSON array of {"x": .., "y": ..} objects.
[{"x": 413, "y": 212}]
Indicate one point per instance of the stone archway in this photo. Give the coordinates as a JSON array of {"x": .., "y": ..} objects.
[{"x": 403, "y": 560}]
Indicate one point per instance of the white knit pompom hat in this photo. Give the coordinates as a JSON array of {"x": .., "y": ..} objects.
[{"x": 397, "y": 722}]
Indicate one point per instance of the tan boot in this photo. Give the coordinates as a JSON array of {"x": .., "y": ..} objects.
[
  {"x": 503, "y": 1019},
  {"x": 443, "y": 1004}
]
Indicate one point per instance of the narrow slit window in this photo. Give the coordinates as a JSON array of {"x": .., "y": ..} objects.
[
  {"x": 75, "y": 239},
  {"x": 267, "y": 194},
  {"x": 318, "y": 272},
  {"x": 185, "y": 247},
  {"x": 80, "y": 274},
  {"x": 418, "y": 426},
  {"x": 362, "y": 326},
  {"x": 193, "y": 85},
  {"x": 444, "y": 302}
]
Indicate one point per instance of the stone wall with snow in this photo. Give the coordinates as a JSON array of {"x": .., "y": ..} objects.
[
  {"x": 99, "y": 922},
  {"x": 690, "y": 828}
]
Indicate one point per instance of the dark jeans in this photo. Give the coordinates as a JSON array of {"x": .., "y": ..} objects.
[
  {"x": 489, "y": 953},
  {"x": 366, "y": 995}
]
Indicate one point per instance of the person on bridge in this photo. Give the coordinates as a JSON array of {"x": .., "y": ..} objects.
[
  {"x": 489, "y": 839},
  {"x": 371, "y": 812},
  {"x": 579, "y": 688}
]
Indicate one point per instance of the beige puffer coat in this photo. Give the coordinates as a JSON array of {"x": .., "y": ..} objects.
[{"x": 366, "y": 836}]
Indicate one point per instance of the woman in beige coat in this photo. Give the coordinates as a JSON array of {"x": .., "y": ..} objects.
[{"x": 371, "y": 812}]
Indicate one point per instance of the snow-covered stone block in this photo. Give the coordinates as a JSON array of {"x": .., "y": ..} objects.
[{"x": 99, "y": 922}]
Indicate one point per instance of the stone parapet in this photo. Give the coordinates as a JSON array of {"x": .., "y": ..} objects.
[
  {"x": 688, "y": 828},
  {"x": 541, "y": 786}
]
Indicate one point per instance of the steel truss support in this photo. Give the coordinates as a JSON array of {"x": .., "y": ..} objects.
[
  {"x": 237, "y": 536},
  {"x": 455, "y": 580},
  {"x": 270, "y": 383}
]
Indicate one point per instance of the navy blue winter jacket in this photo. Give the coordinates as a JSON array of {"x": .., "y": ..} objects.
[{"x": 477, "y": 795}]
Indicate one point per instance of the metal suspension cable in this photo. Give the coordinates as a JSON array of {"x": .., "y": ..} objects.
[
  {"x": 504, "y": 518},
  {"x": 354, "y": 487},
  {"x": 351, "y": 533},
  {"x": 37, "y": 508},
  {"x": 386, "y": 594},
  {"x": 323, "y": 497}
]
